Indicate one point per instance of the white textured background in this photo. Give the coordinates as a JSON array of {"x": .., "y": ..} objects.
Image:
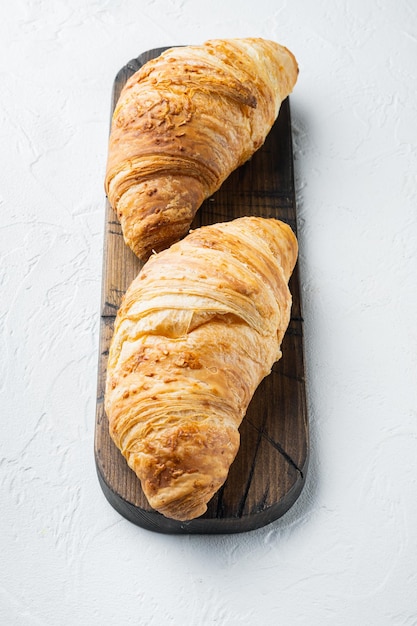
[{"x": 346, "y": 553}]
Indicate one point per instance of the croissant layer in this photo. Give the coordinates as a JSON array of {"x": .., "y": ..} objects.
[
  {"x": 182, "y": 124},
  {"x": 197, "y": 331}
]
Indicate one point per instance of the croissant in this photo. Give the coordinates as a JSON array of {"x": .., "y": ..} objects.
[
  {"x": 182, "y": 124},
  {"x": 197, "y": 331}
]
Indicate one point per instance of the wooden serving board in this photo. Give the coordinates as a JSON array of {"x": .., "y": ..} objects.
[{"x": 269, "y": 471}]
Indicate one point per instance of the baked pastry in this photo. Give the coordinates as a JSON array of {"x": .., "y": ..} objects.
[
  {"x": 197, "y": 331},
  {"x": 182, "y": 124}
]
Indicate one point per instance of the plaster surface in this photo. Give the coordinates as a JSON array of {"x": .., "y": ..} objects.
[{"x": 345, "y": 553}]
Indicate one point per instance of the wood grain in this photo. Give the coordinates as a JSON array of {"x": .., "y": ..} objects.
[{"x": 269, "y": 471}]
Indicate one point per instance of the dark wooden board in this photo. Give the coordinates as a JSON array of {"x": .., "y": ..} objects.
[{"x": 269, "y": 471}]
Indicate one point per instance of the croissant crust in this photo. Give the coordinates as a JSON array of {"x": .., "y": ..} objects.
[
  {"x": 182, "y": 124},
  {"x": 197, "y": 330}
]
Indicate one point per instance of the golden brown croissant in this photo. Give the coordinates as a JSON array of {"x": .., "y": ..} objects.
[
  {"x": 182, "y": 124},
  {"x": 198, "y": 329}
]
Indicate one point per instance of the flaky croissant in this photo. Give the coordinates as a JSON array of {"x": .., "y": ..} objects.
[
  {"x": 197, "y": 331},
  {"x": 182, "y": 124}
]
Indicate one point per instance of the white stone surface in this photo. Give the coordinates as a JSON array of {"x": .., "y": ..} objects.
[{"x": 345, "y": 554}]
